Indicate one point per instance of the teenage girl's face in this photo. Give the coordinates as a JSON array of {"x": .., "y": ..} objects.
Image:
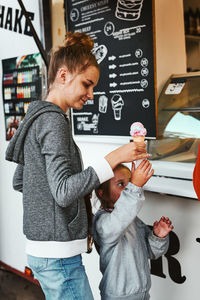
[
  {"x": 117, "y": 184},
  {"x": 79, "y": 87}
]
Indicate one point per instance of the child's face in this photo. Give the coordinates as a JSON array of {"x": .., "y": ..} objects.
[{"x": 117, "y": 184}]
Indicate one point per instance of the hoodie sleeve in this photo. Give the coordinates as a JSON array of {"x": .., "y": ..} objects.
[
  {"x": 156, "y": 246},
  {"x": 61, "y": 157},
  {"x": 110, "y": 226},
  {"x": 18, "y": 178}
]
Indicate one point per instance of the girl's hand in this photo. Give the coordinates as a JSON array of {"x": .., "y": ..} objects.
[
  {"x": 127, "y": 153},
  {"x": 142, "y": 173},
  {"x": 163, "y": 227}
]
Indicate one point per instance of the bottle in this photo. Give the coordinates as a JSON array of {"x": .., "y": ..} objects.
[
  {"x": 191, "y": 20},
  {"x": 186, "y": 21},
  {"x": 197, "y": 15}
]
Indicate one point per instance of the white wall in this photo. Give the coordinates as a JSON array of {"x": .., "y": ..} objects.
[
  {"x": 170, "y": 40},
  {"x": 184, "y": 213},
  {"x": 11, "y": 238}
]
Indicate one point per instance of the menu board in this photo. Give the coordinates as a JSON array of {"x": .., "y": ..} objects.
[{"x": 122, "y": 31}]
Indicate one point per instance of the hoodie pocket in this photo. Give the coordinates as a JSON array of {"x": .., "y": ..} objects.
[{"x": 78, "y": 226}]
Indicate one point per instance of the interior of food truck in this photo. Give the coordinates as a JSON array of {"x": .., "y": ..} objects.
[{"x": 178, "y": 118}]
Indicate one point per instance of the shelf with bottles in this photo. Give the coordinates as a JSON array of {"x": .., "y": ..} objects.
[
  {"x": 16, "y": 109},
  {"x": 13, "y": 93},
  {"x": 21, "y": 84},
  {"x": 21, "y": 76},
  {"x": 192, "y": 23},
  {"x": 12, "y": 123},
  {"x": 194, "y": 38}
]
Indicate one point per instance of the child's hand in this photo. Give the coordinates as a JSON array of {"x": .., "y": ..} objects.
[
  {"x": 142, "y": 173},
  {"x": 163, "y": 227}
]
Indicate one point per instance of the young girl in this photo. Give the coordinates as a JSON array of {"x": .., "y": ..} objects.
[
  {"x": 51, "y": 177},
  {"x": 125, "y": 242}
]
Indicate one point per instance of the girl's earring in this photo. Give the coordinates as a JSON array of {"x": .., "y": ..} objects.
[
  {"x": 63, "y": 78},
  {"x": 62, "y": 75}
]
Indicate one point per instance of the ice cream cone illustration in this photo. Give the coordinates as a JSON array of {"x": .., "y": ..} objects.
[{"x": 117, "y": 104}]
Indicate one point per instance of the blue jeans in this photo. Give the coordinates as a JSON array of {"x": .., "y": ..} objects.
[{"x": 61, "y": 279}]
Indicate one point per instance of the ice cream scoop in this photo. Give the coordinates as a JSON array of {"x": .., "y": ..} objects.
[{"x": 138, "y": 132}]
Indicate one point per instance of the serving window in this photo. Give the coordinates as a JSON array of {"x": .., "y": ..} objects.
[{"x": 178, "y": 120}]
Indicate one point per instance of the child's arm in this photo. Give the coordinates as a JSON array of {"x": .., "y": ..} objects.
[
  {"x": 158, "y": 238},
  {"x": 110, "y": 226}
]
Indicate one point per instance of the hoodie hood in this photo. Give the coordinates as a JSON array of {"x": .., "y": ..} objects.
[{"x": 15, "y": 149}]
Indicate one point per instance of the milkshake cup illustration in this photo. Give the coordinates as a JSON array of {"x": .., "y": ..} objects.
[
  {"x": 117, "y": 104},
  {"x": 128, "y": 10},
  {"x": 103, "y": 104}
]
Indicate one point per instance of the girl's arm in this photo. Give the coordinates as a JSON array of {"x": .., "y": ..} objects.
[
  {"x": 67, "y": 181},
  {"x": 18, "y": 178},
  {"x": 127, "y": 153}
]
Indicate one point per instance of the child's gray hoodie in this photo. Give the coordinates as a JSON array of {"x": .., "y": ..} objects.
[{"x": 126, "y": 244}]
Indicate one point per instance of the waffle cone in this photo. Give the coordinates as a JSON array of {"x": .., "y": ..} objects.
[{"x": 138, "y": 139}]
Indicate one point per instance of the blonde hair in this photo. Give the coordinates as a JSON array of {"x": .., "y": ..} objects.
[{"x": 75, "y": 54}]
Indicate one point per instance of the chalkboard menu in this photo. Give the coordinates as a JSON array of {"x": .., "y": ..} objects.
[{"x": 122, "y": 31}]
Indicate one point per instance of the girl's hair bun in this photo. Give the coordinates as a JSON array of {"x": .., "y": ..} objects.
[
  {"x": 78, "y": 39},
  {"x": 76, "y": 55}
]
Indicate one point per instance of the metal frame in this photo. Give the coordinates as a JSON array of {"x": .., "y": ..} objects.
[{"x": 47, "y": 29}]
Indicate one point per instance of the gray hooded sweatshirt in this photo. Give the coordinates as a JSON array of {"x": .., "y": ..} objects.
[
  {"x": 50, "y": 175},
  {"x": 126, "y": 244}
]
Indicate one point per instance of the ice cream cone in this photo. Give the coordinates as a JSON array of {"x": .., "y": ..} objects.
[
  {"x": 138, "y": 132},
  {"x": 138, "y": 139},
  {"x": 117, "y": 104}
]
